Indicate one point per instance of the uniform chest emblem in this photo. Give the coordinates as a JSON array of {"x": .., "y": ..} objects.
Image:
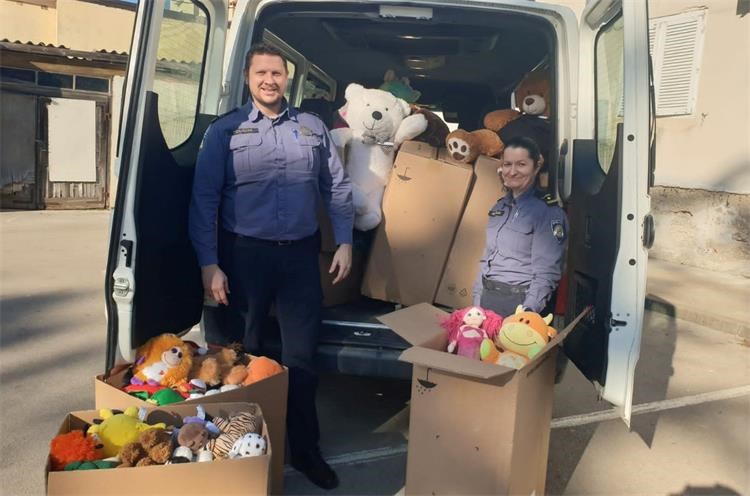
[{"x": 305, "y": 131}]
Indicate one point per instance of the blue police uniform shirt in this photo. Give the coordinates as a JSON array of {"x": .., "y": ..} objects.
[
  {"x": 264, "y": 178},
  {"x": 525, "y": 245}
]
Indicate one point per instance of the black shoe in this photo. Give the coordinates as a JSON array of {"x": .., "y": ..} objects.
[{"x": 315, "y": 468}]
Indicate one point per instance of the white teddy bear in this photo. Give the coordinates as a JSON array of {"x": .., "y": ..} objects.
[{"x": 378, "y": 123}]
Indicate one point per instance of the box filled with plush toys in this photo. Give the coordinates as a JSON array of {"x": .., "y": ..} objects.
[
  {"x": 169, "y": 371},
  {"x": 216, "y": 448},
  {"x": 482, "y": 390}
]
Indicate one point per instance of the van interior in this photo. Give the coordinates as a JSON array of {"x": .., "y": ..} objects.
[{"x": 465, "y": 63}]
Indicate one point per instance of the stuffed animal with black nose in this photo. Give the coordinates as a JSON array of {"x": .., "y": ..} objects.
[{"x": 377, "y": 115}]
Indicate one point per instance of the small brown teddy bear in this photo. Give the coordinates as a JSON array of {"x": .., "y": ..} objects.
[
  {"x": 154, "y": 447},
  {"x": 464, "y": 146},
  {"x": 436, "y": 131},
  {"x": 220, "y": 367}
]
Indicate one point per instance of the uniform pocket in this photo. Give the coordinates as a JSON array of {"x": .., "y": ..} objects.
[
  {"x": 520, "y": 234},
  {"x": 308, "y": 159},
  {"x": 242, "y": 148}
]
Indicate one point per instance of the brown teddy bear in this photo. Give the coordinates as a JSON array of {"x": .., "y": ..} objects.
[
  {"x": 436, "y": 131},
  {"x": 154, "y": 447},
  {"x": 221, "y": 367},
  {"x": 532, "y": 97},
  {"x": 464, "y": 146}
]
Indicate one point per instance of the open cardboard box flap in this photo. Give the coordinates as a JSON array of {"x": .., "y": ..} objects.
[{"x": 420, "y": 326}]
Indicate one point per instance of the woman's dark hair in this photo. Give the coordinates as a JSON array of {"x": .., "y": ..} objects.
[
  {"x": 264, "y": 49},
  {"x": 527, "y": 144}
]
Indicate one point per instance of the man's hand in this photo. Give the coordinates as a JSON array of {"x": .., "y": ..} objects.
[
  {"x": 215, "y": 284},
  {"x": 342, "y": 260}
]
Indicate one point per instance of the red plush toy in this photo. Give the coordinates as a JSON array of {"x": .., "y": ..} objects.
[{"x": 71, "y": 447}]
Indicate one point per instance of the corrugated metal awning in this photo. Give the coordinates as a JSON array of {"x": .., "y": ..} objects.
[{"x": 63, "y": 51}]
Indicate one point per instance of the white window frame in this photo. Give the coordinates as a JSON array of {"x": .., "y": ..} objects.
[{"x": 661, "y": 45}]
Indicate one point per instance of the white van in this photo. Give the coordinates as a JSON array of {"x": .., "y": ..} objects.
[{"x": 466, "y": 56}]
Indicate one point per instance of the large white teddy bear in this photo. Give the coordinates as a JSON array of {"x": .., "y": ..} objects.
[{"x": 378, "y": 123}]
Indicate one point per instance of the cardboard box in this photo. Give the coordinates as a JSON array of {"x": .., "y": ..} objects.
[
  {"x": 419, "y": 149},
  {"x": 327, "y": 239},
  {"x": 421, "y": 209},
  {"x": 270, "y": 394},
  {"x": 345, "y": 291},
  {"x": 463, "y": 261},
  {"x": 239, "y": 476},
  {"x": 476, "y": 427}
]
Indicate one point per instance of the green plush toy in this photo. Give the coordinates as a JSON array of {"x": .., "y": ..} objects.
[
  {"x": 95, "y": 465},
  {"x": 165, "y": 396},
  {"x": 400, "y": 88}
]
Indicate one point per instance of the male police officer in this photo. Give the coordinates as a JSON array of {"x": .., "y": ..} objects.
[{"x": 259, "y": 175}]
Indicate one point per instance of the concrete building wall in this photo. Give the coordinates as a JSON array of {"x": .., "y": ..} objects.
[
  {"x": 91, "y": 26},
  {"x": 711, "y": 149},
  {"x": 701, "y": 201},
  {"x": 24, "y": 22}
]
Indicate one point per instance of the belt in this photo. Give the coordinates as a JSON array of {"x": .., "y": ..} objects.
[
  {"x": 501, "y": 286},
  {"x": 274, "y": 242}
]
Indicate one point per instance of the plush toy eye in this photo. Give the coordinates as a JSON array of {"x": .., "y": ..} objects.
[
  {"x": 463, "y": 148},
  {"x": 386, "y": 109},
  {"x": 367, "y": 105}
]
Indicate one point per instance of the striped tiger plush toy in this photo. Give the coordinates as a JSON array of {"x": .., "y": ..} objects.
[{"x": 233, "y": 428}]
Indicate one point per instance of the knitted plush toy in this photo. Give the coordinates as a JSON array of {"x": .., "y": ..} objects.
[
  {"x": 522, "y": 336},
  {"x": 468, "y": 327},
  {"x": 72, "y": 447},
  {"x": 164, "y": 360},
  {"x": 119, "y": 429},
  {"x": 233, "y": 428}
]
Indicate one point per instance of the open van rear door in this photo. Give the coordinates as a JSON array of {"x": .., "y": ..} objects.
[
  {"x": 610, "y": 225},
  {"x": 171, "y": 95}
]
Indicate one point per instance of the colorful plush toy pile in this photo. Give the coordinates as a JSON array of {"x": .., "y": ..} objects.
[
  {"x": 123, "y": 439},
  {"x": 477, "y": 333},
  {"x": 168, "y": 370}
]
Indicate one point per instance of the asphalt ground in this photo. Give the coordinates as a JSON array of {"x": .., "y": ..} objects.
[{"x": 690, "y": 432}]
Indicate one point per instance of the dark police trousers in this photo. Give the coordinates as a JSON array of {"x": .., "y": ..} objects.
[
  {"x": 502, "y": 298},
  {"x": 286, "y": 273}
]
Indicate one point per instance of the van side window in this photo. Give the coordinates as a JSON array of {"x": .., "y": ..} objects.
[
  {"x": 315, "y": 88},
  {"x": 181, "y": 53},
  {"x": 610, "y": 88},
  {"x": 292, "y": 68}
]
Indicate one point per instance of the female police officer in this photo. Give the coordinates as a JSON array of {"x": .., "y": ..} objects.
[
  {"x": 260, "y": 172},
  {"x": 522, "y": 260}
]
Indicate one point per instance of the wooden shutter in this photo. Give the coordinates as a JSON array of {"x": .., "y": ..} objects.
[{"x": 676, "y": 44}]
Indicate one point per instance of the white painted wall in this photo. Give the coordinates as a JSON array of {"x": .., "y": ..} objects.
[{"x": 711, "y": 149}]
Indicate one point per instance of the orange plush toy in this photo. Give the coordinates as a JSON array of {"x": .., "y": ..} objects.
[
  {"x": 164, "y": 361},
  {"x": 261, "y": 368},
  {"x": 522, "y": 336},
  {"x": 73, "y": 446}
]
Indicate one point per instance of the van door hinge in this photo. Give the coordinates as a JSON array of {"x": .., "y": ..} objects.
[{"x": 617, "y": 323}]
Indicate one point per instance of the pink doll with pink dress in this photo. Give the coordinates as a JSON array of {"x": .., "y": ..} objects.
[{"x": 468, "y": 327}]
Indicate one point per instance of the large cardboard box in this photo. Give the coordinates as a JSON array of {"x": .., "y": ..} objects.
[
  {"x": 475, "y": 428},
  {"x": 421, "y": 208},
  {"x": 463, "y": 261},
  {"x": 239, "y": 476},
  {"x": 270, "y": 394},
  {"x": 345, "y": 291}
]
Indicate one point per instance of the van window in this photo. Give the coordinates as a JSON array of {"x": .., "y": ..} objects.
[
  {"x": 315, "y": 88},
  {"x": 181, "y": 52},
  {"x": 292, "y": 68},
  {"x": 610, "y": 88}
]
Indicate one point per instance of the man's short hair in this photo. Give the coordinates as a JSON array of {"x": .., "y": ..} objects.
[{"x": 264, "y": 49}]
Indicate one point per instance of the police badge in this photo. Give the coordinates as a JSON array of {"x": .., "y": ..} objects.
[{"x": 558, "y": 230}]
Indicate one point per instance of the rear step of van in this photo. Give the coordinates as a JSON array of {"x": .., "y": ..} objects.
[{"x": 352, "y": 341}]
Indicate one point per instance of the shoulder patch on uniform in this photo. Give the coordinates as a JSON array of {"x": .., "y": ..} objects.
[{"x": 558, "y": 230}]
